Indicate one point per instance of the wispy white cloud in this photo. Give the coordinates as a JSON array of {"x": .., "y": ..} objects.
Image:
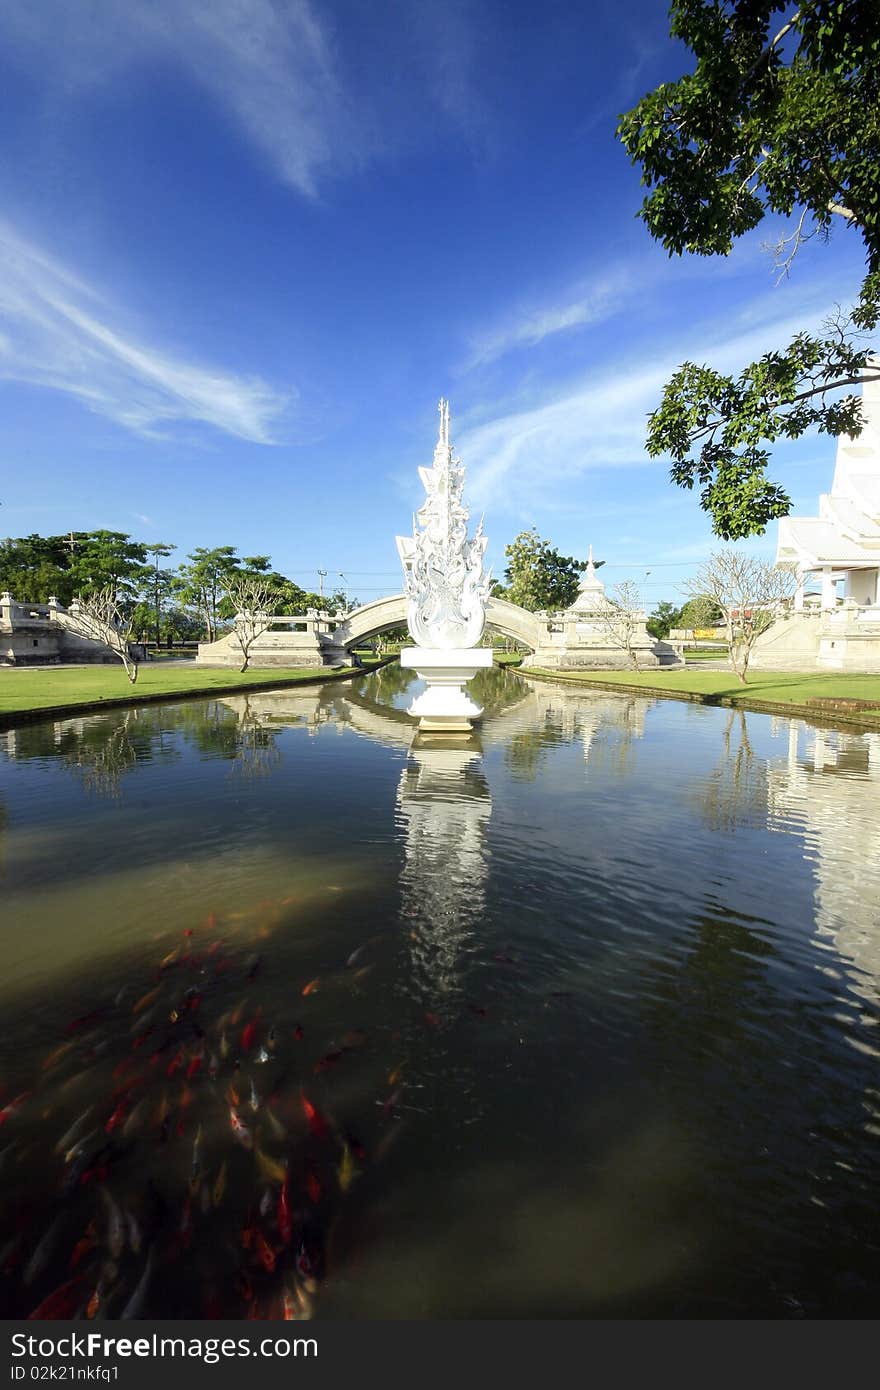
[
  {"x": 58, "y": 332},
  {"x": 515, "y": 458},
  {"x": 528, "y": 325},
  {"x": 310, "y": 99},
  {"x": 270, "y": 66}
]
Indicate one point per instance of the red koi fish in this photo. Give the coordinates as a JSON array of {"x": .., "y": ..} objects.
[
  {"x": 13, "y": 1107},
  {"x": 313, "y": 1187},
  {"x": 317, "y": 1123},
  {"x": 285, "y": 1225},
  {"x": 432, "y": 1020},
  {"x": 311, "y": 987},
  {"x": 175, "y": 1064},
  {"x": 194, "y": 1066},
  {"x": 298, "y": 1032},
  {"x": 249, "y": 1035},
  {"x": 60, "y": 1303},
  {"x": 117, "y": 1117},
  {"x": 265, "y": 1252}
]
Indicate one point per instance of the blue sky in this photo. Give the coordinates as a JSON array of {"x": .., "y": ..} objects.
[{"x": 245, "y": 245}]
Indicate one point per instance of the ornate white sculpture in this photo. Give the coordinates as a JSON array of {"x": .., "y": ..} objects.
[
  {"x": 443, "y": 570},
  {"x": 446, "y": 594}
]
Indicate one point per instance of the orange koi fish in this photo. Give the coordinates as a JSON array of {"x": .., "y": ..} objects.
[
  {"x": 265, "y": 1252},
  {"x": 311, "y": 987},
  {"x": 146, "y": 1000}
]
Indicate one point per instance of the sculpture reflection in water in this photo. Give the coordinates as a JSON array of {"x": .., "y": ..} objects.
[{"x": 443, "y": 809}]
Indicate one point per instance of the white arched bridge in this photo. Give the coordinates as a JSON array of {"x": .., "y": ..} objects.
[
  {"x": 384, "y": 614},
  {"x": 317, "y": 639}
]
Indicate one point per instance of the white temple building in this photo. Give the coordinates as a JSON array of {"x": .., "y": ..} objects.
[
  {"x": 841, "y": 548},
  {"x": 843, "y": 541}
]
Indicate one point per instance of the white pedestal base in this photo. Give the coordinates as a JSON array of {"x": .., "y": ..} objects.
[{"x": 445, "y": 707}]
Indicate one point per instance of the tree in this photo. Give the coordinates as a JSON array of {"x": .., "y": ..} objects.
[
  {"x": 748, "y": 591},
  {"x": 99, "y": 618},
  {"x": 622, "y": 620},
  {"x": 203, "y": 582},
  {"x": 160, "y": 581},
  {"x": 665, "y": 617},
  {"x": 777, "y": 117},
  {"x": 251, "y": 596},
  {"x": 108, "y": 559},
  {"x": 700, "y": 611},
  {"x": 538, "y": 577}
]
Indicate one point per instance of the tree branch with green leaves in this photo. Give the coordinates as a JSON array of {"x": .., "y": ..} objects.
[{"x": 773, "y": 120}]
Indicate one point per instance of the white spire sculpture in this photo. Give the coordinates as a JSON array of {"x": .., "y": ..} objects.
[{"x": 446, "y": 593}]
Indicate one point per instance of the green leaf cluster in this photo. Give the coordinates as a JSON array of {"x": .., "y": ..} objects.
[{"x": 780, "y": 115}]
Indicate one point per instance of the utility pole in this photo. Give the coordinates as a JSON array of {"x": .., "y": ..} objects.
[
  {"x": 344, "y": 588},
  {"x": 322, "y": 574}
]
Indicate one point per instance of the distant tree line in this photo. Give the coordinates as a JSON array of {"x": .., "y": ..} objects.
[{"x": 164, "y": 603}]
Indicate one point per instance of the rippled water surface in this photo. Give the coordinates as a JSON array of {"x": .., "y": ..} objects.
[{"x": 579, "y": 1018}]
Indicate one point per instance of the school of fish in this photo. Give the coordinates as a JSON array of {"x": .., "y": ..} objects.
[{"x": 177, "y": 1137}]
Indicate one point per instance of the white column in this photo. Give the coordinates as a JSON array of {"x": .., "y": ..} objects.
[
  {"x": 799, "y": 592},
  {"x": 829, "y": 593}
]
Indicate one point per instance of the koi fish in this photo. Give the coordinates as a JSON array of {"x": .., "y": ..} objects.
[
  {"x": 255, "y": 1099},
  {"x": 13, "y": 1107},
  {"x": 273, "y": 1122},
  {"x": 219, "y": 1185},
  {"x": 61, "y": 1302},
  {"x": 70, "y": 1137},
  {"x": 241, "y": 1131},
  {"x": 432, "y": 1019},
  {"x": 394, "y": 1076},
  {"x": 248, "y": 1035},
  {"x": 58, "y": 1053},
  {"x": 285, "y": 1224},
  {"x": 117, "y": 1117},
  {"x": 298, "y": 1032},
  {"x": 311, "y": 987},
  {"x": 389, "y": 1104},
  {"x": 146, "y": 1000},
  {"x": 115, "y": 1228},
  {"x": 134, "y": 1306},
  {"x": 313, "y": 1187},
  {"x": 134, "y": 1232},
  {"x": 317, "y": 1123},
  {"x": 38, "y": 1260},
  {"x": 135, "y": 1119},
  {"x": 357, "y": 955},
  {"x": 170, "y": 958},
  {"x": 347, "y": 1172},
  {"x": 195, "y": 1171},
  {"x": 224, "y": 1045},
  {"x": 265, "y": 1253},
  {"x": 271, "y": 1169},
  {"x": 194, "y": 1066}
]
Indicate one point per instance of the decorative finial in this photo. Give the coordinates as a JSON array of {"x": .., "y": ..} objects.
[{"x": 443, "y": 437}]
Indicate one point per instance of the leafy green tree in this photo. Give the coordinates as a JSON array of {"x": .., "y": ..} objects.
[
  {"x": 664, "y": 617},
  {"x": 538, "y": 577},
  {"x": 160, "y": 583},
  {"x": 109, "y": 560},
  {"x": 33, "y": 567},
  {"x": 202, "y": 583},
  {"x": 781, "y": 115},
  {"x": 700, "y": 611}
]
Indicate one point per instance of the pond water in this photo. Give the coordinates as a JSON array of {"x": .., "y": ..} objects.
[{"x": 579, "y": 1018}]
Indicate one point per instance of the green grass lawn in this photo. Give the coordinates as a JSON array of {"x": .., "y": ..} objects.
[
  {"x": 772, "y": 687},
  {"x": 25, "y": 690},
  {"x": 508, "y": 658}
]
